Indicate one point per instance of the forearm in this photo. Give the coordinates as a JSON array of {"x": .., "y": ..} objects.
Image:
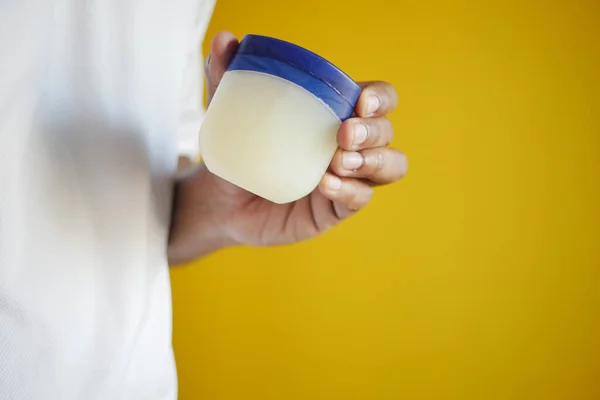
[{"x": 192, "y": 234}]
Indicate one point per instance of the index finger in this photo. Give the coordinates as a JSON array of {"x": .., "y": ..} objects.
[{"x": 376, "y": 99}]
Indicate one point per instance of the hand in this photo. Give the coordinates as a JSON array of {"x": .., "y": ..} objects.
[{"x": 210, "y": 213}]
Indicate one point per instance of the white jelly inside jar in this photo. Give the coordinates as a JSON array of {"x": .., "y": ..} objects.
[{"x": 268, "y": 135}]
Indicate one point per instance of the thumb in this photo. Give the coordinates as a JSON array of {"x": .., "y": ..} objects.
[{"x": 222, "y": 49}]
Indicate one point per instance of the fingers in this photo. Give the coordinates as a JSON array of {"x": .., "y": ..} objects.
[
  {"x": 348, "y": 195},
  {"x": 380, "y": 165},
  {"x": 348, "y": 185},
  {"x": 365, "y": 133},
  {"x": 222, "y": 49},
  {"x": 376, "y": 99},
  {"x": 363, "y": 157}
]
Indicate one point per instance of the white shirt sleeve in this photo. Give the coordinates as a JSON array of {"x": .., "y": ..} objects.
[{"x": 193, "y": 88}]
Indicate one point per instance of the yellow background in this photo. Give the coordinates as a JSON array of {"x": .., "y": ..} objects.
[{"x": 478, "y": 276}]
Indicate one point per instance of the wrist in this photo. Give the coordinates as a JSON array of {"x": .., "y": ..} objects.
[
  {"x": 181, "y": 251},
  {"x": 195, "y": 230}
]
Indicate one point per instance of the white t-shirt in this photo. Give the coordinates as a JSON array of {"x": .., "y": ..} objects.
[{"x": 97, "y": 99}]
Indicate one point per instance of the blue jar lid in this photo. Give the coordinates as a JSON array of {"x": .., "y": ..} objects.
[{"x": 300, "y": 66}]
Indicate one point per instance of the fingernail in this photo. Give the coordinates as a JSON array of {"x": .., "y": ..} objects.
[
  {"x": 360, "y": 134},
  {"x": 372, "y": 104},
  {"x": 352, "y": 160},
  {"x": 333, "y": 182}
]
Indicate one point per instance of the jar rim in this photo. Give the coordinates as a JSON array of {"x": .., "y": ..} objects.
[{"x": 304, "y": 60}]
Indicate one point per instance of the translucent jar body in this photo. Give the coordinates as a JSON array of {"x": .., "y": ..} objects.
[{"x": 268, "y": 135}]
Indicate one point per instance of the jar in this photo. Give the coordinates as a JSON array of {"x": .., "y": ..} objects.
[{"x": 272, "y": 124}]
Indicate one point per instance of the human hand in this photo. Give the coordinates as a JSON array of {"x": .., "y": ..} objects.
[{"x": 211, "y": 213}]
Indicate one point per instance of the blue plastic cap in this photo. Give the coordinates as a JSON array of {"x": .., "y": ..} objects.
[{"x": 300, "y": 66}]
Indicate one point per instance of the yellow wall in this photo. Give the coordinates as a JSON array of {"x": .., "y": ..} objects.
[{"x": 478, "y": 277}]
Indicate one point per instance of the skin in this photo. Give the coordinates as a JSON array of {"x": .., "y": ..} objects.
[{"x": 210, "y": 213}]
